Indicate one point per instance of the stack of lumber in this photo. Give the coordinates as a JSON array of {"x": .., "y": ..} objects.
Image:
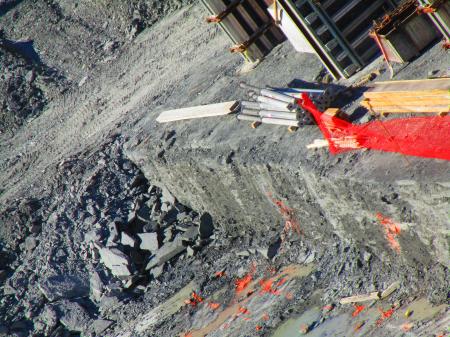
[{"x": 414, "y": 96}]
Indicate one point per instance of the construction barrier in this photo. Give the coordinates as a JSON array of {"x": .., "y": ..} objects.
[{"x": 427, "y": 137}]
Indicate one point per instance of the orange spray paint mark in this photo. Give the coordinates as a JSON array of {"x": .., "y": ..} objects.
[
  {"x": 384, "y": 315},
  {"x": 358, "y": 309},
  {"x": 242, "y": 283},
  {"x": 258, "y": 328},
  {"x": 243, "y": 311},
  {"x": 391, "y": 230},
  {"x": 187, "y": 334},
  {"x": 194, "y": 300},
  {"x": 288, "y": 214},
  {"x": 289, "y": 296},
  {"x": 406, "y": 327},
  {"x": 328, "y": 307},
  {"x": 214, "y": 306}
]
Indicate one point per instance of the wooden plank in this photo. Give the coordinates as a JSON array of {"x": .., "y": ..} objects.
[
  {"x": 410, "y": 109},
  {"x": 210, "y": 110},
  {"x": 403, "y": 102},
  {"x": 412, "y": 85},
  {"x": 408, "y": 94},
  {"x": 360, "y": 298},
  {"x": 389, "y": 290},
  {"x": 317, "y": 144}
]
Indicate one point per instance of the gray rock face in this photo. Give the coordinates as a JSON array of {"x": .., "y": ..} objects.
[
  {"x": 166, "y": 252},
  {"x": 63, "y": 286},
  {"x": 190, "y": 235},
  {"x": 101, "y": 325},
  {"x": 116, "y": 261},
  {"x": 206, "y": 228},
  {"x": 149, "y": 241},
  {"x": 97, "y": 286},
  {"x": 73, "y": 316},
  {"x": 167, "y": 196},
  {"x": 127, "y": 240}
]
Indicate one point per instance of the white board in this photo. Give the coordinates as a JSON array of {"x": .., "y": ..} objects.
[
  {"x": 210, "y": 110},
  {"x": 290, "y": 29}
]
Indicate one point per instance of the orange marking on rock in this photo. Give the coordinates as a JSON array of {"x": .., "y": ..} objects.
[
  {"x": 258, "y": 328},
  {"x": 384, "y": 315},
  {"x": 391, "y": 230},
  {"x": 328, "y": 307},
  {"x": 406, "y": 327},
  {"x": 243, "y": 311},
  {"x": 304, "y": 328},
  {"x": 214, "y": 306},
  {"x": 242, "y": 283},
  {"x": 291, "y": 223},
  {"x": 187, "y": 334},
  {"x": 219, "y": 274},
  {"x": 358, "y": 309}
]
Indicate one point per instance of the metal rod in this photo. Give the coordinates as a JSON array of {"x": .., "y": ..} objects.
[
  {"x": 277, "y": 95},
  {"x": 242, "y": 117},
  {"x": 274, "y": 102},
  {"x": 278, "y": 114},
  {"x": 265, "y": 106},
  {"x": 280, "y": 122},
  {"x": 251, "y": 105},
  {"x": 250, "y": 112}
]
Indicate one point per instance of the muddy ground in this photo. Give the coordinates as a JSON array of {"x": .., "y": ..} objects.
[{"x": 110, "y": 223}]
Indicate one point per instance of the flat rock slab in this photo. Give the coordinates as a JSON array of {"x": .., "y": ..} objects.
[
  {"x": 63, "y": 286},
  {"x": 73, "y": 316},
  {"x": 116, "y": 261},
  {"x": 101, "y": 325},
  {"x": 166, "y": 252},
  {"x": 149, "y": 241}
]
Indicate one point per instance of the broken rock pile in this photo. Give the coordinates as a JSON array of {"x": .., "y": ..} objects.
[{"x": 157, "y": 230}]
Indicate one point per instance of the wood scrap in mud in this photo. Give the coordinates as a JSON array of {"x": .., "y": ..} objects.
[
  {"x": 210, "y": 110},
  {"x": 377, "y": 295}
]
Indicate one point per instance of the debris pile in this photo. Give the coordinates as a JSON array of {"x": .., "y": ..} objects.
[{"x": 157, "y": 230}]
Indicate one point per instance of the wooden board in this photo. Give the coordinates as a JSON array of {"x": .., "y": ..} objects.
[
  {"x": 408, "y": 94},
  {"x": 405, "y": 102},
  {"x": 210, "y": 110},
  {"x": 411, "y": 85},
  {"x": 360, "y": 298},
  {"x": 410, "y": 109}
]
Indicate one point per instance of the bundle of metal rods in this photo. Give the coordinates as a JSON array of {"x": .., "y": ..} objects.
[{"x": 276, "y": 106}]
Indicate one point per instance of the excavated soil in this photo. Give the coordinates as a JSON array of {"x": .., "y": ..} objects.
[{"x": 249, "y": 233}]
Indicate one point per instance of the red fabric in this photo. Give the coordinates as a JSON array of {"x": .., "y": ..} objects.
[{"x": 427, "y": 137}]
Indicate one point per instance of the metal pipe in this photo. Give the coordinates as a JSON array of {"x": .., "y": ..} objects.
[
  {"x": 277, "y": 114},
  {"x": 277, "y": 95},
  {"x": 242, "y": 117},
  {"x": 250, "y": 105},
  {"x": 276, "y": 121},
  {"x": 265, "y": 106},
  {"x": 275, "y": 103},
  {"x": 250, "y": 112}
]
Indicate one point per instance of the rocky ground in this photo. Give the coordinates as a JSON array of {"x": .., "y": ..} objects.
[{"x": 94, "y": 242}]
